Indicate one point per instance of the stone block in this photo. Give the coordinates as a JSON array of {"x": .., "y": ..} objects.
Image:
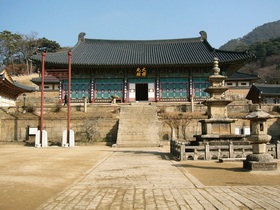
[
  {"x": 259, "y": 166},
  {"x": 259, "y": 148},
  {"x": 44, "y": 142},
  {"x": 65, "y": 142},
  {"x": 260, "y": 162}
]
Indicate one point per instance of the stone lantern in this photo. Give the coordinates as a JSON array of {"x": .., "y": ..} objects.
[{"x": 260, "y": 160}]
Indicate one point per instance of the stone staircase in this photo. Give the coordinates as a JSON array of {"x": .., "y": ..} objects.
[{"x": 138, "y": 126}]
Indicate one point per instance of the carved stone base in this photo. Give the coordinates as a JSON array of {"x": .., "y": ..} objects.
[{"x": 260, "y": 162}]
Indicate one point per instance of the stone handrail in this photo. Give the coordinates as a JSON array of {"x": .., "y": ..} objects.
[{"x": 183, "y": 151}]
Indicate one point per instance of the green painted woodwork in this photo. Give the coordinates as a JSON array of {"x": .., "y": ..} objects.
[
  {"x": 141, "y": 80},
  {"x": 199, "y": 85},
  {"x": 108, "y": 80},
  {"x": 174, "y": 79},
  {"x": 80, "y": 88},
  {"x": 106, "y": 88},
  {"x": 174, "y": 88}
]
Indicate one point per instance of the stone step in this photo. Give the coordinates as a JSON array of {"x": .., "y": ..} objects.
[
  {"x": 133, "y": 144},
  {"x": 141, "y": 125},
  {"x": 127, "y": 138},
  {"x": 140, "y": 112},
  {"x": 132, "y": 130},
  {"x": 138, "y": 126},
  {"x": 142, "y": 137},
  {"x": 134, "y": 134}
]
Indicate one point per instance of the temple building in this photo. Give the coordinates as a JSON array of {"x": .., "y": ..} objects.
[
  {"x": 10, "y": 90},
  {"x": 264, "y": 94},
  {"x": 51, "y": 83},
  {"x": 239, "y": 85},
  {"x": 140, "y": 70}
]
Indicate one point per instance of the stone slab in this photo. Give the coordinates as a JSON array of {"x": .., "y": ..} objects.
[{"x": 231, "y": 159}]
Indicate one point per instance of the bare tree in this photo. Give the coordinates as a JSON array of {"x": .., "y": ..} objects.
[
  {"x": 22, "y": 46},
  {"x": 29, "y": 45},
  {"x": 178, "y": 125},
  {"x": 90, "y": 128}
]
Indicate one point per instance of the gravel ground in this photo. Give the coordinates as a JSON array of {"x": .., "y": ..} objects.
[{"x": 30, "y": 176}]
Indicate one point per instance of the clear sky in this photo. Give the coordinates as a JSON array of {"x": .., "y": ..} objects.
[{"x": 63, "y": 20}]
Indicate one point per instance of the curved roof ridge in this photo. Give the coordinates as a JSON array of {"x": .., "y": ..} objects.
[
  {"x": 231, "y": 51},
  {"x": 155, "y": 41}
]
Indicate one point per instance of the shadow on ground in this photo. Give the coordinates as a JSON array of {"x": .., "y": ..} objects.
[
  {"x": 160, "y": 154},
  {"x": 213, "y": 167}
]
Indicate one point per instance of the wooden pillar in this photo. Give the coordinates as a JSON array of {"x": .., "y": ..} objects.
[
  {"x": 42, "y": 97},
  {"x": 69, "y": 95}
]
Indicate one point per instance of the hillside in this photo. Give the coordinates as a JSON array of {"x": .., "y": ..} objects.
[
  {"x": 269, "y": 73},
  {"x": 264, "y": 43},
  {"x": 259, "y": 34},
  {"x": 25, "y": 79}
]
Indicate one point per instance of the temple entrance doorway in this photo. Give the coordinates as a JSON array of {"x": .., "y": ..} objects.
[{"x": 142, "y": 92}]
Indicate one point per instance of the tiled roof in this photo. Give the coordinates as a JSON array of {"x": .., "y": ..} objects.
[
  {"x": 96, "y": 52},
  {"x": 25, "y": 88},
  {"x": 267, "y": 89},
  {"x": 11, "y": 88},
  {"x": 47, "y": 79},
  {"x": 5, "y": 75},
  {"x": 243, "y": 76}
]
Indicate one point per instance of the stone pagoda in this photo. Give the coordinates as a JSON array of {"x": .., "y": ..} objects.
[
  {"x": 260, "y": 160},
  {"x": 218, "y": 127}
]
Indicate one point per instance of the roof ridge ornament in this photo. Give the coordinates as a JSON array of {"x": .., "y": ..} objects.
[
  {"x": 81, "y": 37},
  {"x": 203, "y": 35}
]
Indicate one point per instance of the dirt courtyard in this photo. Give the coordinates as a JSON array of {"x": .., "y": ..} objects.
[{"x": 30, "y": 176}]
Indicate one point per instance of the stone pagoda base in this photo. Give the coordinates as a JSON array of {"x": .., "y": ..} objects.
[
  {"x": 260, "y": 162},
  {"x": 219, "y": 140}
]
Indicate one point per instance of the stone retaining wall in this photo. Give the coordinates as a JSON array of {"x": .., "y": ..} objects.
[
  {"x": 14, "y": 124},
  {"x": 182, "y": 123}
]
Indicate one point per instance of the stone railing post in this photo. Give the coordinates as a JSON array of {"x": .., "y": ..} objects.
[
  {"x": 183, "y": 151},
  {"x": 171, "y": 147},
  {"x": 207, "y": 151},
  {"x": 195, "y": 154},
  {"x": 231, "y": 150},
  {"x": 278, "y": 150},
  {"x": 85, "y": 103}
]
